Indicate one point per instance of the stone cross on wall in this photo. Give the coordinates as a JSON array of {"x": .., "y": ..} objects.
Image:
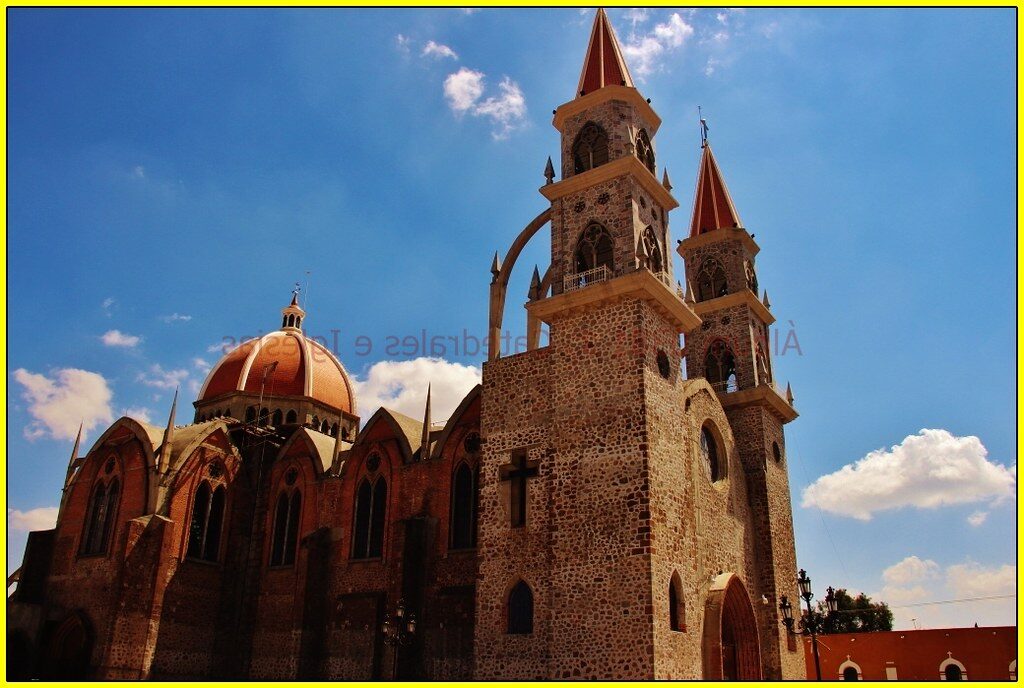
[{"x": 518, "y": 472}]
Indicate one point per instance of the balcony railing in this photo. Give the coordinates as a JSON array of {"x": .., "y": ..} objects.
[
  {"x": 731, "y": 385},
  {"x": 584, "y": 279}
]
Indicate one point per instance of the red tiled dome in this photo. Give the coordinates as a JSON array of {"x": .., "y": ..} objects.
[{"x": 304, "y": 368}]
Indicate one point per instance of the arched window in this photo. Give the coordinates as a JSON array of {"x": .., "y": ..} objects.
[
  {"x": 264, "y": 417},
  {"x": 100, "y": 520},
  {"x": 850, "y": 674},
  {"x": 720, "y": 367},
  {"x": 277, "y": 418},
  {"x": 952, "y": 672},
  {"x": 748, "y": 267},
  {"x": 710, "y": 454},
  {"x": 370, "y": 521},
  {"x": 325, "y": 427},
  {"x": 645, "y": 151},
  {"x": 250, "y": 414},
  {"x": 316, "y": 422},
  {"x": 595, "y": 248},
  {"x": 292, "y": 417},
  {"x": 676, "y": 604},
  {"x": 463, "y": 509},
  {"x": 520, "y": 609},
  {"x": 764, "y": 371},
  {"x": 334, "y": 430},
  {"x": 590, "y": 148},
  {"x": 287, "y": 515},
  {"x": 776, "y": 452},
  {"x": 207, "y": 521},
  {"x": 711, "y": 282},
  {"x": 655, "y": 259}
]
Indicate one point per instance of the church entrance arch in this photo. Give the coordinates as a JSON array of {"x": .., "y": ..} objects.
[
  {"x": 69, "y": 650},
  {"x": 731, "y": 649}
]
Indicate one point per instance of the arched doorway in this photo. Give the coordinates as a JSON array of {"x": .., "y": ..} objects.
[
  {"x": 730, "y": 644},
  {"x": 69, "y": 651}
]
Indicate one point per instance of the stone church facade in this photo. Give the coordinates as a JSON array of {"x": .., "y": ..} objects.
[{"x": 605, "y": 505}]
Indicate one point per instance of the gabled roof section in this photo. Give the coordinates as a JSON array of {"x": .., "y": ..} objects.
[
  {"x": 712, "y": 204},
  {"x": 603, "y": 65}
]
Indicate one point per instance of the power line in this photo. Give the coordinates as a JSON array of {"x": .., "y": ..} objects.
[{"x": 924, "y": 604}]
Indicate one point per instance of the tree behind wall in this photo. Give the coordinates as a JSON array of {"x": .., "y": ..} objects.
[{"x": 857, "y": 614}]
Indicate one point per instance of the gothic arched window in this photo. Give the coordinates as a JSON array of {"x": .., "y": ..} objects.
[
  {"x": 100, "y": 521},
  {"x": 711, "y": 282},
  {"x": 287, "y": 515},
  {"x": 720, "y": 367},
  {"x": 748, "y": 268},
  {"x": 676, "y": 604},
  {"x": 710, "y": 454},
  {"x": 292, "y": 417},
  {"x": 595, "y": 248},
  {"x": 277, "y": 418},
  {"x": 325, "y": 427},
  {"x": 264, "y": 417},
  {"x": 590, "y": 148},
  {"x": 520, "y": 609},
  {"x": 370, "y": 521},
  {"x": 207, "y": 522},
  {"x": 250, "y": 414},
  {"x": 645, "y": 151},
  {"x": 463, "y": 508},
  {"x": 655, "y": 258}
]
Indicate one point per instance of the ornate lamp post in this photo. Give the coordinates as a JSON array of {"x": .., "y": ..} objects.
[
  {"x": 812, "y": 622},
  {"x": 399, "y": 631}
]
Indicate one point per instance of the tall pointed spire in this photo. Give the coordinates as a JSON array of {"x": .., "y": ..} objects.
[
  {"x": 603, "y": 65},
  {"x": 425, "y": 439},
  {"x": 712, "y": 204},
  {"x": 165, "y": 446},
  {"x": 74, "y": 454}
]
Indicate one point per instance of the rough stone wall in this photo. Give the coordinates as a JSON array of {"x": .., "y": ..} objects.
[{"x": 732, "y": 254}]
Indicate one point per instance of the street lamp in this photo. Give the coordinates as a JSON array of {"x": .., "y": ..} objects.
[
  {"x": 399, "y": 631},
  {"x": 812, "y": 622}
]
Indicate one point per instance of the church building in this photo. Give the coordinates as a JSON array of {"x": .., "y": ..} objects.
[{"x": 606, "y": 504}]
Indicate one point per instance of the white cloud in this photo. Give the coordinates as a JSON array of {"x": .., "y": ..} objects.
[
  {"x": 141, "y": 414},
  {"x": 226, "y": 345},
  {"x": 438, "y": 50},
  {"x": 913, "y": 569},
  {"x": 118, "y": 338},
  {"x": 636, "y": 15},
  {"x": 139, "y": 172},
  {"x": 977, "y": 518},
  {"x": 402, "y": 386},
  {"x": 201, "y": 364},
  {"x": 106, "y": 306},
  {"x": 42, "y": 518},
  {"x": 931, "y": 469},
  {"x": 469, "y": 10},
  {"x": 463, "y": 88},
  {"x": 709, "y": 68},
  {"x": 175, "y": 317},
  {"x": 162, "y": 379},
  {"x": 402, "y": 42},
  {"x": 971, "y": 579},
  {"x": 63, "y": 401},
  {"x": 646, "y": 51}
]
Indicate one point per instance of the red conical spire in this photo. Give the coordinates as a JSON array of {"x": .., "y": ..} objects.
[
  {"x": 603, "y": 65},
  {"x": 712, "y": 205}
]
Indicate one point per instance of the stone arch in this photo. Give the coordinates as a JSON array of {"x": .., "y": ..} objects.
[
  {"x": 676, "y": 604},
  {"x": 1013, "y": 670},
  {"x": 68, "y": 652},
  {"x": 731, "y": 649},
  {"x": 855, "y": 673},
  {"x": 949, "y": 669}
]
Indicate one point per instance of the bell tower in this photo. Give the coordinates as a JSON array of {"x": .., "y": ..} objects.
[{"x": 731, "y": 350}]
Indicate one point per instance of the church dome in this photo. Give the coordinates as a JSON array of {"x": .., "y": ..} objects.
[{"x": 294, "y": 366}]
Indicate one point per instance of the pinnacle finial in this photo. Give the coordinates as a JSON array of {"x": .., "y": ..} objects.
[
  {"x": 665, "y": 182},
  {"x": 789, "y": 394},
  {"x": 549, "y": 172},
  {"x": 534, "y": 293},
  {"x": 642, "y": 254},
  {"x": 767, "y": 304},
  {"x": 425, "y": 438},
  {"x": 690, "y": 297},
  {"x": 74, "y": 454},
  {"x": 495, "y": 267},
  {"x": 165, "y": 446}
]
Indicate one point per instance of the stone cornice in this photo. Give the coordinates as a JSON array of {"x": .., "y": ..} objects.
[
  {"x": 762, "y": 395},
  {"x": 741, "y": 297},
  {"x": 627, "y": 165},
  {"x": 717, "y": 235},
  {"x": 641, "y": 284},
  {"x": 612, "y": 92}
]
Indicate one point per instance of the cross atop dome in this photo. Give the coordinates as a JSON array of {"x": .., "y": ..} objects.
[
  {"x": 603, "y": 65},
  {"x": 293, "y": 313}
]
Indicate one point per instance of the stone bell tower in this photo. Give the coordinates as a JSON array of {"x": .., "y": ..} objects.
[
  {"x": 576, "y": 432},
  {"x": 731, "y": 350}
]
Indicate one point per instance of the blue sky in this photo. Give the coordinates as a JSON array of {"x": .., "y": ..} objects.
[{"x": 172, "y": 173}]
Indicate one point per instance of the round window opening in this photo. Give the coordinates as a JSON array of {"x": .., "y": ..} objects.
[
  {"x": 291, "y": 476},
  {"x": 373, "y": 462},
  {"x": 664, "y": 367},
  {"x": 472, "y": 443},
  {"x": 109, "y": 467}
]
